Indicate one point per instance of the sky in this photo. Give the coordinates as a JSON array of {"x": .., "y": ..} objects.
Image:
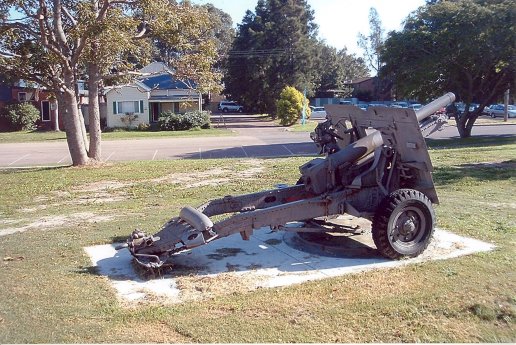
[{"x": 339, "y": 21}]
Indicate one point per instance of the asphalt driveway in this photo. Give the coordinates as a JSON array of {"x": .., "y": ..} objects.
[{"x": 253, "y": 137}]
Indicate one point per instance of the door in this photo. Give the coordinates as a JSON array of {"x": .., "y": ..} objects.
[
  {"x": 45, "y": 111},
  {"x": 155, "y": 112}
]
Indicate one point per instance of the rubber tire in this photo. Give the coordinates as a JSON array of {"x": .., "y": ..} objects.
[
  {"x": 240, "y": 110},
  {"x": 398, "y": 204},
  {"x": 225, "y": 110},
  {"x": 493, "y": 115}
]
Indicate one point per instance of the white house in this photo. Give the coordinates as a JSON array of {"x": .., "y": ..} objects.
[
  {"x": 127, "y": 105},
  {"x": 143, "y": 101}
]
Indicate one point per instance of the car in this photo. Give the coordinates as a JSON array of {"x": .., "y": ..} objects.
[
  {"x": 230, "y": 106},
  {"x": 318, "y": 112},
  {"x": 487, "y": 109},
  {"x": 346, "y": 102},
  {"x": 498, "y": 110},
  {"x": 377, "y": 105},
  {"x": 399, "y": 105},
  {"x": 415, "y": 106}
]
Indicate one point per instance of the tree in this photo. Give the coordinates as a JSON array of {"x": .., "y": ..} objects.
[
  {"x": 334, "y": 69},
  {"x": 463, "y": 46},
  {"x": 290, "y": 105},
  {"x": 54, "y": 42},
  {"x": 373, "y": 43},
  {"x": 222, "y": 32},
  {"x": 274, "y": 47}
]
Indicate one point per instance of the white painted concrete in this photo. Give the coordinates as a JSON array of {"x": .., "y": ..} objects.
[{"x": 267, "y": 260}]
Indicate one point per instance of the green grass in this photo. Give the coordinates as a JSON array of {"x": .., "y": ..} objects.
[
  {"x": 309, "y": 126},
  {"x": 33, "y": 136},
  {"x": 50, "y": 292}
]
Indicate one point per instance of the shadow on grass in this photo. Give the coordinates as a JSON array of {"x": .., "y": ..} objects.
[
  {"x": 90, "y": 270},
  {"x": 8, "y": 170},
  {"x": 476, "y": 141},
  {"x": 479, "y": 171},
  {"x": 120, "y": 239}
]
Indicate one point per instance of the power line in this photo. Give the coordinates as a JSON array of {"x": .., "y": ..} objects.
[{"x": 258, "y": 53}]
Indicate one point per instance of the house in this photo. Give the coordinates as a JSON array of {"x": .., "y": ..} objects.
[
  {"x": 42, "y": 99},
  {"x": 143, "y": 101},
  {"x": 371, "y": 88}
]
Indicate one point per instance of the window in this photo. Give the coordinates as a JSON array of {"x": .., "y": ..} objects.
[
  {"x": 128, "y": 107},
  {"x": 22, "y": 96}
]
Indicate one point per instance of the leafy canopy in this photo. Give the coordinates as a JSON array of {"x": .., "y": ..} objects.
[{"x": 463, "y": 46}]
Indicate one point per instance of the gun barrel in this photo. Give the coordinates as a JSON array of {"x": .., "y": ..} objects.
[{"x": 435, "y": 105}]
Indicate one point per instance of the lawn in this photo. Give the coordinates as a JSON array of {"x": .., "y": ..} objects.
[
  {"x": 309, "y": 126},
  {"x": 30, "y": 136},
  {"x": 51, "y": 294}
]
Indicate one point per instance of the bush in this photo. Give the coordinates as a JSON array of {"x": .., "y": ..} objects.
[
  {"x": 143, "y": 127},
  {"x": 170, "y": 121},
  {"x": 290, "y": 105},
  {"x": 19, "y": 117}
]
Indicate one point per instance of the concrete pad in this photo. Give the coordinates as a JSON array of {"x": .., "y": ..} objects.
[{"x": 269, "y": 259}]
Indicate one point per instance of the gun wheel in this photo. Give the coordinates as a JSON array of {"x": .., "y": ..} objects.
[{"x": 403, "y": 224}]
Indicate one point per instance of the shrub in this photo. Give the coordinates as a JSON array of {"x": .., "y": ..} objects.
[
  {"x": 128, "y": 119},
  {"x": 170, "y": 121},
  {"x": 19, "y": 117},
  {"x": 143, "y": 127},
  {"x": 290, "y": 105}
]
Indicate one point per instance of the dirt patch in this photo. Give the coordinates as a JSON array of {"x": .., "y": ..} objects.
[
  {"x": 255, "y": 167},
  {"x": 213, "y": 177},
  {"x": 194, "y": 179},
  {"x": 202, "y": 287},
  {"x": 51, "y": 222},
  {"x": 102, "y": 186},
  {"x": 499, "y": 204},
  {"x": 500, "y": 165}
]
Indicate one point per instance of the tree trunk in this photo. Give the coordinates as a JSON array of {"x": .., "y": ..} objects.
[
  {"x": 55, "y": 119},
  {"x": 95, "y": 150},
  {"x": 73, "y": 125},
  {"x": 466, "y": 122},
  {"x": 83, "y": 127}
]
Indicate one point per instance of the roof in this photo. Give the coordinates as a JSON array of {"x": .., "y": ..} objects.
[
  {"x": 156, "y": 68},
  {"x": 137, "y": 84},
  {"x": 359, "y": 80},
  {"x": 166, "y": 82},
  {"x": 174, "y": 98}
]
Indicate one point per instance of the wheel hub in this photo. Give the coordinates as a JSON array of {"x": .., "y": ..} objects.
[{"x": 408, "y": 227}]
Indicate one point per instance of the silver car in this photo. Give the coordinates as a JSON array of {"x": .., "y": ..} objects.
[
  {"x": 318, "y": 113},
  {"x": 498, "y": 110}
]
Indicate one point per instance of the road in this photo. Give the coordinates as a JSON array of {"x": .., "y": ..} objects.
[{"x": 253, "y": 138}]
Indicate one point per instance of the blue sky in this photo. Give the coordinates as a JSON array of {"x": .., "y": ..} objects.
[{"x": 339, "y": 21}]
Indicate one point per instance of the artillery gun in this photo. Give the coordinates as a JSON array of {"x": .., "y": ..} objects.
[{"x": 376, "y": 166}]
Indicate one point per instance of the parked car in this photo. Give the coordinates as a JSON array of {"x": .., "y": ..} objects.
[
  {"x": 498, "y": 110},
  {"x": 346, "y": 102},
  {"x": 230, "y": 106},
  {"x": 487, "y": 109},
  {"x": 415, "y": 106},
  {"x": 399, "y": 105},
  {"x": 318, "y": 112}
]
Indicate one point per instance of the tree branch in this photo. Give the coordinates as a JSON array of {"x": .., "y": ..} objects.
[{"x": 67, "y": 13}]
